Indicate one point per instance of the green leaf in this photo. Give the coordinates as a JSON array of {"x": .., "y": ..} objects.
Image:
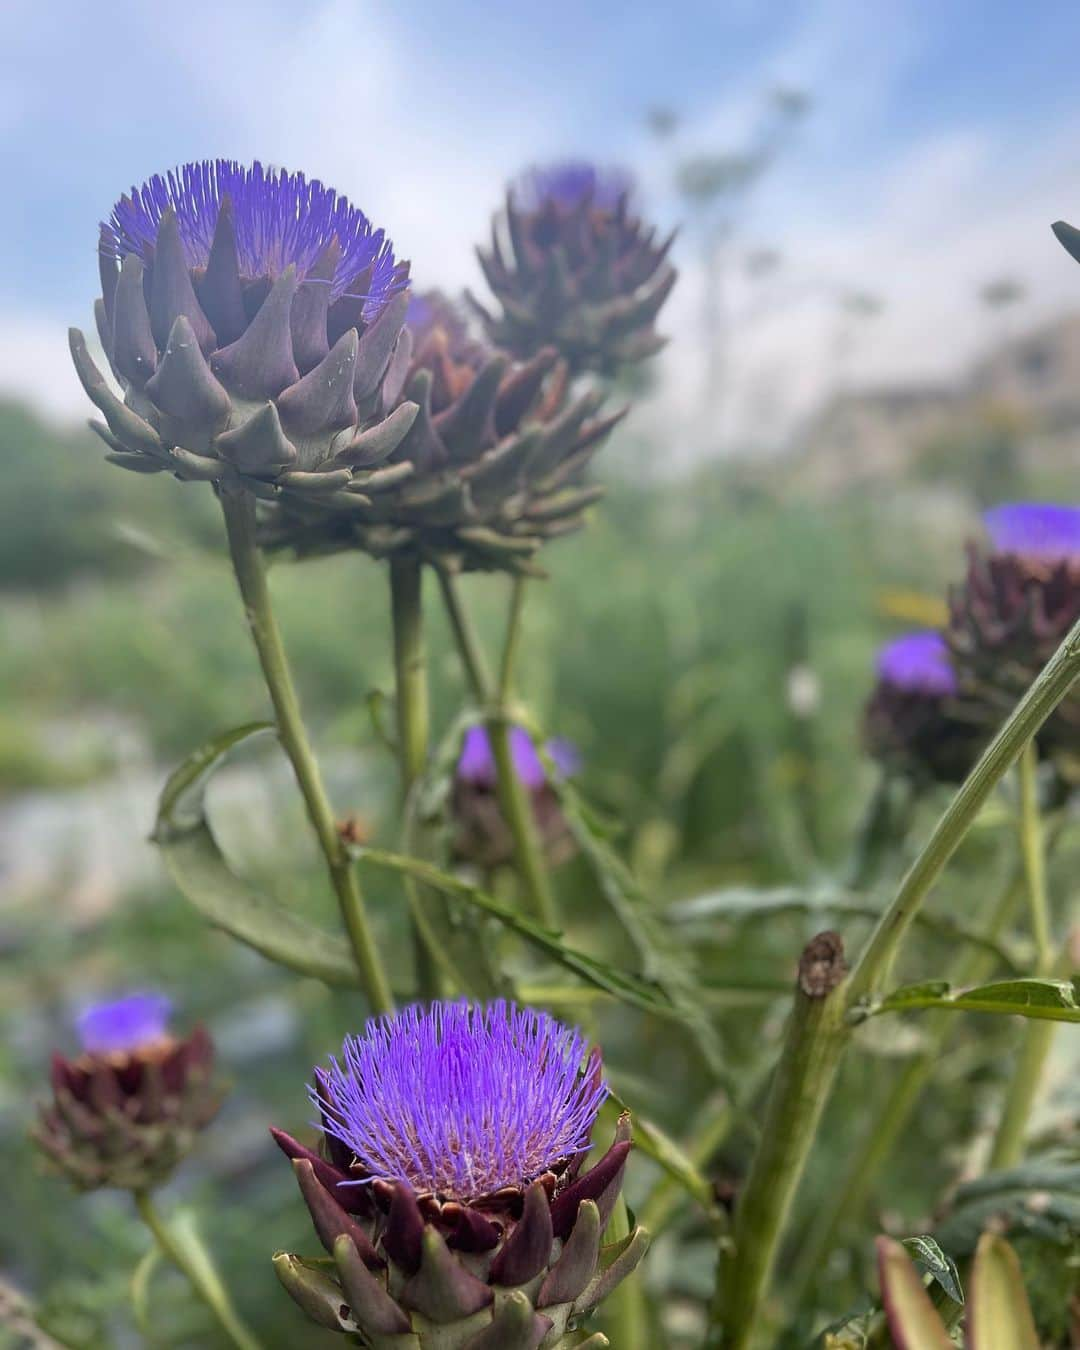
[
  {"x": 913, "y": 1320},
  {"x": 931, "y": 1260},
  {"x": 623, "y": 986},
  {"x": 999, "y": 1315},
  {"x": 198, "y": 867},
  {"x": 663, "y": 961},
  {"x": 1040, "y": 1197},
  {"x": 1045, "y": 999},
  {"x": 745, "y": 904}
]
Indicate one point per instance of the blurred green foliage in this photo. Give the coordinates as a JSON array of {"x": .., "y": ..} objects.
[{"x": 707, "y": 643}]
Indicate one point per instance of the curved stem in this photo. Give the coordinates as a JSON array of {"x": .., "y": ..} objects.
[
  {"x": 513, "y": 799},
  {"x": 196, "y": 1264},
  {"x": 1034, "y": 708},
  {"x": 247, "y": 560}
]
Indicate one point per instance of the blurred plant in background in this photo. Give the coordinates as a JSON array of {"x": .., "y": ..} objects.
[{"x": 706, "y": 645}]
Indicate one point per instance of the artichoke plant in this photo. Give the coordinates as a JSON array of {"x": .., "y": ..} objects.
[
  {"x": 480, "y": 833},
  {"x": 1019, "y": 599},
  {"x": 130, "y": 1105},
  {"x": 253, "y": 321},
  {"x": 572, "y": 266},
  {"x": 915, "y": 721},
  {"x": 491, "y": 467},
  {"x": 450, "y": 1192}
]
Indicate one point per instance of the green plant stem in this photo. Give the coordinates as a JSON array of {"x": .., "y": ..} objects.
[
  {"x": 201, "y": 1273},
  {"x": 410, "y": 667},
  {"x": 815, "y": 1043},
  {"x": 1023, "y": 1088},
  {"x": 513, "y": 799},
  {"x": 411, "y": 709},
  {"x": 816, "y": 1035},
  {"x": 1027, "y": 717},
  {"x": 248, "y": 564},
  {"x": 847, "y": 1197}
]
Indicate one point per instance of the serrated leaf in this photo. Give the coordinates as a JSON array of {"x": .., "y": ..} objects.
[
  {"x": 1043, "y": 999},
  {"x": 197, "y": 865},
  {"x": 913, "y": 1320},
  {"x": 629, "y": 988},
  {"x": 999, "y": 1315},
  {"x": 932, "y": 1261}
]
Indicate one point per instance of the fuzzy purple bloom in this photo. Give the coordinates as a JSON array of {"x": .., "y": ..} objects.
[
  {"x": 476, "y": 764},
  {"x": 460, "y": 1100},
  {"x": 124, "y": 1024},
  {"x": 572, "y": 182},
  {"x": 1042, "y": 531},
  {"x": 280, "y": 218},
  {"x": 918, "y": 663}
]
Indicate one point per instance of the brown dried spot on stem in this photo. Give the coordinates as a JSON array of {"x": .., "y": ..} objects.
[{"x": 822, "y": 966}]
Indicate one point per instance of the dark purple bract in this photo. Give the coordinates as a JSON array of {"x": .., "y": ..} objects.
[{"x": 461, "y": 1100}]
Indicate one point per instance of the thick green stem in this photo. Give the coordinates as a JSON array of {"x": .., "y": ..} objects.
[
  {"x": 847, "y": 1197},
  {"x": 411, "y": 709},
  {"x": 195, "y": 1263},
  {"x": 239, "y": 509},
  {"x": 1030, "y": 713},
  {"x": 1038, "y": 1037},
  {"x": 410, "y": 668},
  {"x": 816, "y": 1035}
]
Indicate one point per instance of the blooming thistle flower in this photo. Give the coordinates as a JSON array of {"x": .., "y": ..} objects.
[
  {"x": 1020, "y": 597},
  {"x": 490, "y": 468},
  {"x": 450, "y": 1190},
  {"x": 481, "y": 834},
  {"x": 253, "y": 320},
  {"x": 914, "y": 720},
  {"x": 572, "y": 267},
  {"x": 129, "y": 1106}
]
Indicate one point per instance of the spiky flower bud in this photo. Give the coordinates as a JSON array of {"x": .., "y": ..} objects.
[
  {"x": 450, "y": 1192},
  {"x": 480, "y": 832},
  {"x": 129, "y": 1106},
  {"x": 573, "y": 267},
  {"x": 253, "y": 320},
  {"x": 491, "y": 467},
  {"x": 915, "y": 721},
  {"x": 1019, "y": 599}
]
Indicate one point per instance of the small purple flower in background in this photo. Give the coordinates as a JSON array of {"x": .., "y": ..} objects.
[
  {"x": 1035, "y": 530},
  {"x": 1019, "y": 599},
  {"x": 461, "y": 1101},
  {"x": 450, "y": 1191},
  {"x": 573, "y": 268},
  {"x": 253, "y": 320},
  {"x": 125, "y": 1024},
  {"x": 572, "y": 183},
  {"x": 914, "y": 721},
  {"x": 918, "y": 663},
  {"x": 481, "y": 834},
  {"x": 130, "y": 1105}
]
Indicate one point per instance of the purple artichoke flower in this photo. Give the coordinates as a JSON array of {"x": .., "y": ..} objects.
[
  {"x": 450, "y": 1190},
  {"x": 914, "y": 720},
  {"x": 573, "y": 268},
  {"x": 253, "y": 321},
  {"x": 128, "y": 1107},
  {"x": 490, "y": 469},
  {"x": 480, "y": 833},
  {"x": 1020, "y": 597}
]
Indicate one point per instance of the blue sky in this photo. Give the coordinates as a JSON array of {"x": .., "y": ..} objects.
[{"x": 943, "y": 140}]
